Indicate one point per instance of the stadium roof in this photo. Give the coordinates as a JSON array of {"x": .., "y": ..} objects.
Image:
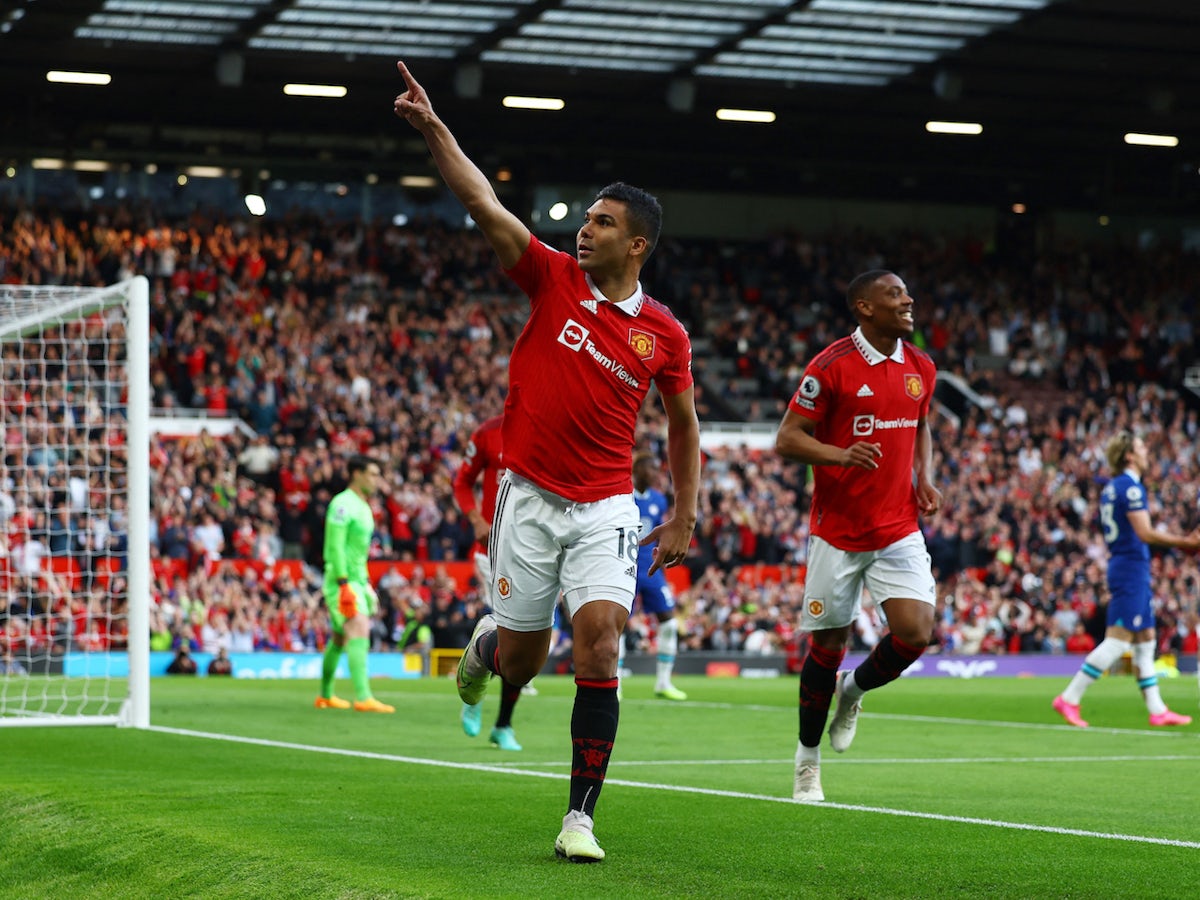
[{"x": 1055, "y": 85}]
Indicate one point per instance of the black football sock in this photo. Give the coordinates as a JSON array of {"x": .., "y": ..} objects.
[
  {"x": 886, "y": 662},
  {"x": 509, "y": 693},
  {"x": 489, "y": 646},
  {"x": 817, "y": 677},
  {"x": 593, "y": 730}
]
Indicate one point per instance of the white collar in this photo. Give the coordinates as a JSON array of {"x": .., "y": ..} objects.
[
  {"x": 1132, "y": 473},
  {"x": 631, "y": 305},
  {"x": 870, "y": 354}
]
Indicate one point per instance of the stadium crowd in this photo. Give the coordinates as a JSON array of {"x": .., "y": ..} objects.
[{"x": 332, "y": 338}]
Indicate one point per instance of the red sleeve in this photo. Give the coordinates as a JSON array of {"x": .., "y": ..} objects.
[
  {"x": 812, "y": 396},
  {"x": 534, "y": 266},
  {"x": 467, "y": 475},
  {"x": 675, "y": 376}
]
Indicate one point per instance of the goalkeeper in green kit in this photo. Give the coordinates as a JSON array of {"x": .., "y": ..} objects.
[{"x": 349, "y": 524}]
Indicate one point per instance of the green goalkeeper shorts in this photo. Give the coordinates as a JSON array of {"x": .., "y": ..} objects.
[{"x": 366, "y": 600}]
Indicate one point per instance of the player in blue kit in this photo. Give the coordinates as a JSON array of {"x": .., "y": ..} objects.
[
  {"x": 653, "y": 590},
  {"x": 1125, "y": 519}
]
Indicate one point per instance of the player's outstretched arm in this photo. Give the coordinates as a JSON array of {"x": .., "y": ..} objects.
[
  {"x": 1140, "y": 521},
  {"x": 1192, "y": 542},
  {"x": 505, "y": 232}
]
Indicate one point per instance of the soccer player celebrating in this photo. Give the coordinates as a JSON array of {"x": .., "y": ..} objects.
[
  {"x": 565, "y": 517},
  {"x": 1125, "y": 520},
  {"x": 859, "y": 419},
  {"x": 349, "y": 524},
  {"x": 484, "y": 463},
  {"x": 653, "y": 590}
]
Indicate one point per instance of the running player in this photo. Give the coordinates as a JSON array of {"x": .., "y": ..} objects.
[
  {"x": 859, "y": 419},
  {"x": 482, "y": 465},
  {"x": 565, "y": 517},
  {"x": 653, "y": 590},
  {"x": 1125, "y": 520}
]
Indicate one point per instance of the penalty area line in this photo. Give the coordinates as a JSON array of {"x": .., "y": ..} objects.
[{"x": 678, "y": 789}]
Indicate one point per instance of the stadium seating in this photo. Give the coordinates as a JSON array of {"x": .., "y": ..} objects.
[{"x": 392, "y": 340}]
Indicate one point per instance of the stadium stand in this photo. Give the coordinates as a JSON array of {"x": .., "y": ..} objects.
[{"x": 329, "y": 338}]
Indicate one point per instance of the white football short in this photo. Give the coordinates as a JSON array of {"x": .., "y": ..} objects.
[
  {"x": 542, "y": 543},
  {"x": 835, "y": 579}
]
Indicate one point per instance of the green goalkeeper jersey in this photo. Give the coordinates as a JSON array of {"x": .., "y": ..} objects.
[{"x": 349, "y": 524}]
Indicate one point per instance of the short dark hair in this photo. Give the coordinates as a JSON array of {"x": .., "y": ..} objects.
[
  {"x": 359, "y": 463},
  {"x": 860, "y": 283},
  {"x": 644, "y": 210}
]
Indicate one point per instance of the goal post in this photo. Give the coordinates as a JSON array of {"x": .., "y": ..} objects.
[{"x": 75, "y": 505}]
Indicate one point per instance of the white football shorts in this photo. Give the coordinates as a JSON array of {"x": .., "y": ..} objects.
[
  {"x": 542, "y": 543},
  {"x": 835, "y": 579}
]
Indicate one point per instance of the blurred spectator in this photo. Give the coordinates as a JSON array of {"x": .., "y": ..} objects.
[
  {"x": 259, "y": 460},
  {"x": 1080, "y": 641},
  {"x": 182, "y": 664},
  {"x": 220, "y": 664}
]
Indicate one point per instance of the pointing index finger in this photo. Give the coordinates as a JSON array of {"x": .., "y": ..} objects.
[{"x": 407, "y": 75}]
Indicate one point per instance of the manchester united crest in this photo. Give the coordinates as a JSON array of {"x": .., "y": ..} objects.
[
  {"x": 914, "y": 386},
  {"x": 503, "y": 587},
  {"x": 642, "y": 343},
  {"x": 816, "y": 608}
]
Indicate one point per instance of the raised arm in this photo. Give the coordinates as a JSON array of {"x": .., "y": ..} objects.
[{"x": 505, "y": 232}]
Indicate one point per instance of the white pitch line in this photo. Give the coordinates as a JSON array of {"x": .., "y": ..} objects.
[
  {"x": 680, "y": 789},
  {"x": 840, "y": 761},
  {"x": 1038, "y": 726},
  {"x": 942, "y": 720}
]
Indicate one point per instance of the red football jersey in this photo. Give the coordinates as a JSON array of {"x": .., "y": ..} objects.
[
  {"x": 578, "y": 374},
  {"x": 484, "y": 457},
  {"x": 855, "y": 393}
]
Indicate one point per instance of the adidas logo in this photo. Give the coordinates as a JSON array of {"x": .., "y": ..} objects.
[
  {"x": 865, "y": 391},
  {"x": 589, "y": 304}
]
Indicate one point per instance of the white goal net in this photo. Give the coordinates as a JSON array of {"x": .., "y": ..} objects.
[{"x": 74, "y": 505}]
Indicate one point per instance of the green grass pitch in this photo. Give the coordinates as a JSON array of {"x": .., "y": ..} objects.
[{"x": 953, "y": 788}]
